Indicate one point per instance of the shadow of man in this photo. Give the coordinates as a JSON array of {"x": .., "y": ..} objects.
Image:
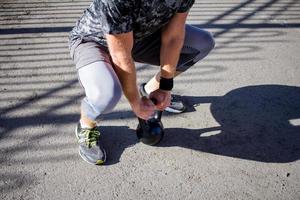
[{"x": 256, "y": 123}]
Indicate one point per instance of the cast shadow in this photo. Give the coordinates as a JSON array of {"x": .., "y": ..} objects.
[
  {"x": 259, "y": 123},
  {"x": 116, "y": 139}
]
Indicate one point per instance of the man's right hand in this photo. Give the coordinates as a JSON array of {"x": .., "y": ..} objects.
[{"x": 144, "y": 108}]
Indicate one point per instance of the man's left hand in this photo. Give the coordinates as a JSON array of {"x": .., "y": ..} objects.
[{"x": 162, "y": 97}]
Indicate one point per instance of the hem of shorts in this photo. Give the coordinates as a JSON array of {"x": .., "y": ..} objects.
[{"x": 88, "y": 63}]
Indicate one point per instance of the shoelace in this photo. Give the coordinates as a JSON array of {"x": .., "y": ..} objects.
[{"x": 91, "y": 137}]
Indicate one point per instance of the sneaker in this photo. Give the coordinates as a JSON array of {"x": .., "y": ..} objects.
[
  {"x": 90, "y": 148},
  {"x": 176, "y": 105}
]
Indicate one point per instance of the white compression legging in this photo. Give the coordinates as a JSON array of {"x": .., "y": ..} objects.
[{"x": 102, "y": 88}]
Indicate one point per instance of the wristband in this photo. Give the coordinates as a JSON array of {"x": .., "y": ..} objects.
[{"x": 166, "y": 84}]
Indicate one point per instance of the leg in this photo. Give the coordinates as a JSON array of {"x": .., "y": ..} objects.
[
  {"x": 102, "y": 89},
  {"x": 197, "y": 44}
]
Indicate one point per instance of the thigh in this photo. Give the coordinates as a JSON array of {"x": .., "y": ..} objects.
[
  {"x": 197, "y": 44},
  {"x": 196, "y": 40},
  {"x": 99, "y": 80},
  {"x": 148, "y": 50},
  {"x": 102, "y": 88}
]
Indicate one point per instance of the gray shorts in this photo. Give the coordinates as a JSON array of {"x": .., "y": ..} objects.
[
  {"x": 86, "y": 52},
  {"x": 197, "y": 45}
]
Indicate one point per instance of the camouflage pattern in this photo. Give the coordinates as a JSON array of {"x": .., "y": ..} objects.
[{"x": 143, "y": 17}]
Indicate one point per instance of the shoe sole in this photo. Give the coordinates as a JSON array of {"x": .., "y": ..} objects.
[
  {"x": 168, "y": 109},
  {"x": 98, "y": 162}
]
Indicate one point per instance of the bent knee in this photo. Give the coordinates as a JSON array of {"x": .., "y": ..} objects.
[
  {"x": 198, "y": 39},
  {"x": 205, "y": 42},
  {"x": 105, "y": 99},
  {"x": 210, "y": 42}
]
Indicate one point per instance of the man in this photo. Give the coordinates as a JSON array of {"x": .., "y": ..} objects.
[{"x": 109, "y": 37}]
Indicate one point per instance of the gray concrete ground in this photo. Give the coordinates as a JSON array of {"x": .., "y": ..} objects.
[{"x": 240, "y": 138}]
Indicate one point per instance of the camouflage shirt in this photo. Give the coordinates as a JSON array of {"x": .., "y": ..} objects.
[{"x": 143, "y": 17}]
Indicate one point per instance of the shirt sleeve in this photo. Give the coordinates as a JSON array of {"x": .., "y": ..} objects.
[
  {"x": 115, "y": 16},
  {"x": 185, "y": 5}
]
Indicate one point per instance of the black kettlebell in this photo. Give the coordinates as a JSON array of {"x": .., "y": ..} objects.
[{"x": 151, "y": 131}]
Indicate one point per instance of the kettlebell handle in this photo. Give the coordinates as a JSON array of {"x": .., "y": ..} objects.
[
  {"x": 154, "y": 101},
  {"x": 157, "y": 114}
]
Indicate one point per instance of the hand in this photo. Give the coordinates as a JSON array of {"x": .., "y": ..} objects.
[
  {"x": 162, "y": 97},
  {"x": 144, "y": 108}
]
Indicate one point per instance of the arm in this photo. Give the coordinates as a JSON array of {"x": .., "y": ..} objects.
[
  {"x": 120, "y": 46},
  {"x": 172, "y": 40},
  {"x": 171, "y": 43}
]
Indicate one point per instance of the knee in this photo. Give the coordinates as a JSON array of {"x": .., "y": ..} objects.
[
  {"x": 198, "y": 39},
  {"x": 104, "y": 99},
  {"x": 102, "y": 88},
  {"x": 205, "y": 43},
  {"x": 198, "y": 43},
  {"x": 210, "y": 42}
]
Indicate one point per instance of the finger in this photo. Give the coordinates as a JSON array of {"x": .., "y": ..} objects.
[
  {"x": 163, "y": 106},
  {"x": 160, "y": 107}
]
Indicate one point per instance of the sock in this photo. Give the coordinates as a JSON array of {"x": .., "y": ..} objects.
[
  {"x": 84, "y": 125},
  {"x": 148, "y": 92}
]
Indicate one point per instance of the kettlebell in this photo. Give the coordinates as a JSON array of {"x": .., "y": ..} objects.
[{"x": 151, "y": 131}]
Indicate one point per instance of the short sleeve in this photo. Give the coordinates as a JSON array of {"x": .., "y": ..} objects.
[
  {"x": 115, "y": 16},
  {"x": 185, "y": 5}
]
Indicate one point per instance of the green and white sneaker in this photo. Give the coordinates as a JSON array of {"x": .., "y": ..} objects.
[
  {"x": 176, "y": 105},
  {"x": 90, "y": 148}
]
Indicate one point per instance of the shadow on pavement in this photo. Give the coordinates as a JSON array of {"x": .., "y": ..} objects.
[
  {"x": 255, "y": 124},
  {"x": 116, "y": 139}
]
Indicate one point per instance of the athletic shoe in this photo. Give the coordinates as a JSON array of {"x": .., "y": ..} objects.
[
  {"x": 90, "y": 148},
  {"x": 176, "y": 106}
]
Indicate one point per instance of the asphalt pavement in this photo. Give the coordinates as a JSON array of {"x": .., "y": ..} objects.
[{"x": 239, "y": 139}]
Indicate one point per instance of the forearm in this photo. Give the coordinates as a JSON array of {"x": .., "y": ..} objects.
[
  {"x": 127, "y": 76},
  {"x": 172, "y": 40},
  {"x": 120, "y": 47},
  {"x": 169, "y": 55}
]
